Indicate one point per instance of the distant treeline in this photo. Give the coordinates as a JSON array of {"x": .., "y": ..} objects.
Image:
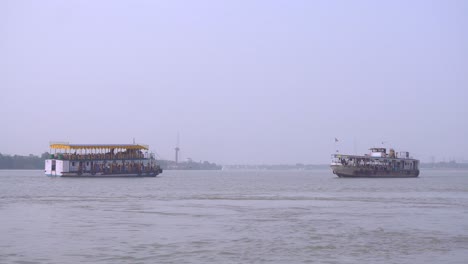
[
  {"x": 188, "y": 165},
  {"x": 17, "y": 162},
  {"x": 444, "y": 165},
  {"x": 31, "y": 162},
  {"x": 298, "y": 166}
]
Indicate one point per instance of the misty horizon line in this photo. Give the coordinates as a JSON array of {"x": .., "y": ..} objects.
[{"x": 261, "y": 164}]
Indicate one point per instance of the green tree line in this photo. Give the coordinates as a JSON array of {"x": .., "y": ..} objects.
[{"x": 17, "y": 162}]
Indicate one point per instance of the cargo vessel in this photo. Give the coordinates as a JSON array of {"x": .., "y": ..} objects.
[
  {"x": 101, "y": 160},
  {"x": 377, "y": 164}
]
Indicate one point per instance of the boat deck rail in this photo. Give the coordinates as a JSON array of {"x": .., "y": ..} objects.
[
  {"x": 368, "y": 157},
  {"x": 378, "y": 167},
  {"x": 375, "y": 163},
  {"x": 118, "y": 168},
  {"x": 100, "y": 156}
]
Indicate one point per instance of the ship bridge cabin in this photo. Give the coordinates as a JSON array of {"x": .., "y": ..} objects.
[
  {"x": 98, "y": 158},
  {"x": 382, "y": 153},
  {"x": 378, "y": 152}
]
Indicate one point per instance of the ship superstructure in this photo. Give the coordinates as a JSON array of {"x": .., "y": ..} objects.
[
  {"x": 94, "y": 160},
  {"x": 377, "y": 164}
]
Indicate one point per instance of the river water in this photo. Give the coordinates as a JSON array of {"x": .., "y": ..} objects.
[{"x": 234, "y": 217}]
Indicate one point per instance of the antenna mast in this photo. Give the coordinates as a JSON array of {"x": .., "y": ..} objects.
[{"x": 177, "y": 149}]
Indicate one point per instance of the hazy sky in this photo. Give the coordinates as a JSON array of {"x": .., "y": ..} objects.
[{"x": 241, "y": 81}]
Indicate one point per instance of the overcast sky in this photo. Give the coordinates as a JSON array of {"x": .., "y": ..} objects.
[{"x": 240, "y": 81}]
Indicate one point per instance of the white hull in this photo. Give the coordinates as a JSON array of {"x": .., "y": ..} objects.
[{"x": 102, "y": 175}]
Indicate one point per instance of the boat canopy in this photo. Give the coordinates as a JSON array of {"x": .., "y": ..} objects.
[{"x": 63, "y": 145}]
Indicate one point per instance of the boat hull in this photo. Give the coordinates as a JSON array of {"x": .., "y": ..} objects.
[
  {"x": 106, "y": 175},
  {"x": 360, "y": 172}
]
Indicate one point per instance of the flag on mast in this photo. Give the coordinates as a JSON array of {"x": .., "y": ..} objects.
[{"x": 336, "y": 140}]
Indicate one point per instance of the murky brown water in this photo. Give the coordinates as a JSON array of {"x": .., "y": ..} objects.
[{"x": 234, "y": 217}]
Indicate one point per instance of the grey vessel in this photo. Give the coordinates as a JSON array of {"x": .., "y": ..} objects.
[{"x": 376, "y": 164}]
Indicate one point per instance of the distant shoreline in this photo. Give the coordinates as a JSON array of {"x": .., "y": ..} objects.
[
  {"x": 32, "y": 162},
  {"x": 262, "y": 169}
]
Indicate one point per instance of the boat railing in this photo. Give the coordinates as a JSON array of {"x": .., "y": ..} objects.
[
  {"x": 100, "y": 156},
  {"x": 374, "y": 164},
  {"x": 117, "y": 168}
]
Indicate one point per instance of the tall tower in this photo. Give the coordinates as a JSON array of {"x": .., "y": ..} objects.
[{"x": 177, "y": 149}]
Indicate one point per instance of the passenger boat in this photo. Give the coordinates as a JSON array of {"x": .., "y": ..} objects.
[
  {"x": 101, "y": 160},
  {"x": 376, "y": 164}
]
